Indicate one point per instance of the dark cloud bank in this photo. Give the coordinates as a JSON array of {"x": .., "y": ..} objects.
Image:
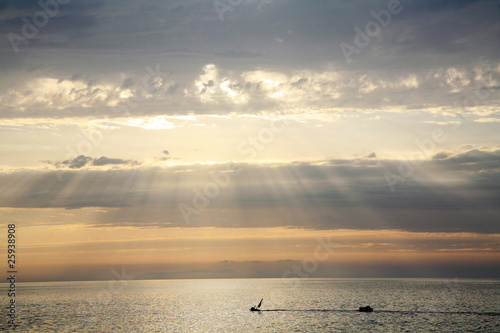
[
  {"x": 430, "y": 54},
  {"x": 457, "y": 193}
]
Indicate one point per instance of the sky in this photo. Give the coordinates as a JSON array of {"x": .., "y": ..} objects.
[{"x": 244, "y": 138}]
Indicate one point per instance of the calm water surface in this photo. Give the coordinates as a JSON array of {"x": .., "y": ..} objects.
[{"x": 309, "y": 305}]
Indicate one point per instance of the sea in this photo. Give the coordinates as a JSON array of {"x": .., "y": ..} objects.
[{"x": 289, "y": 305}]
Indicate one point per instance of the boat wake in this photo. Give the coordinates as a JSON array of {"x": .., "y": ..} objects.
[{"x": 493, "y": 314}]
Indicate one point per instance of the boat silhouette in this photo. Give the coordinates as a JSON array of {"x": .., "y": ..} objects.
[
  {"x": 365, "y": 309},
  {"x": 361, "y": 309},
  {"x": 256, "y": 308}
]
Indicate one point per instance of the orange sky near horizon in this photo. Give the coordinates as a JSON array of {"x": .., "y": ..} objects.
[{"x": 45, "y": 250}]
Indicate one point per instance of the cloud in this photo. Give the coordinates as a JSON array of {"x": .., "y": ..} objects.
[
  {"x": 105, "y": 161},
  {"x": 476, "y": 160},
  {"x": 458, "y": 192},
  {"x": 443, "y": 123},
  {"x": 80, "y": 97},
  {"x": 440, "y": 156},
  {"x": 82, "y": 161},
  {"x": 274, "y": 71},
  {"x": 223, "y": 91},
  {"x": 487, "y": 120},
  {"x": 77, "y": 162}
]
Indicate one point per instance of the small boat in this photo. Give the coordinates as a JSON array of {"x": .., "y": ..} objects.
[
  {"x": 365, "y": 309},
  {"x": 256, "y": 308}
]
